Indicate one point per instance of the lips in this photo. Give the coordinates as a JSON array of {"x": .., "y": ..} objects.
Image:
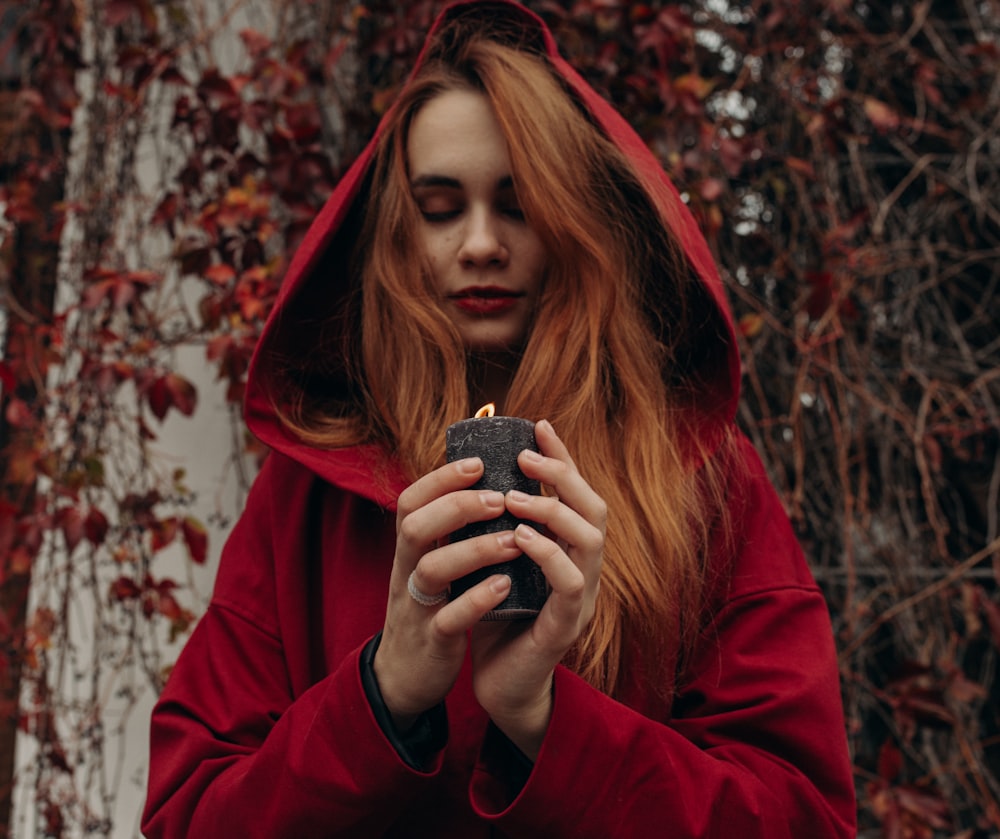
[{"x": 485, "y": 300}]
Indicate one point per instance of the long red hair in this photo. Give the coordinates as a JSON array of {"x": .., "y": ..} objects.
[{"x": 601, "y": 360}]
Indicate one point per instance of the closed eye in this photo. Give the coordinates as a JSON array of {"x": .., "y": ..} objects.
[
  {"x": 439, "y": 215},
  {"x": 507, "y": 203},
  {"x": 438, "y": 198},
  {"x": 439, "y": 206}
]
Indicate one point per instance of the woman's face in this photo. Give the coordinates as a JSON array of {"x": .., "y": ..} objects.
[{"x": 487, "y": 263}]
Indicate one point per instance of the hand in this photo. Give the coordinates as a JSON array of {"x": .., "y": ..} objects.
[
  {"x": 513, "y": 663},
  {"x": 423, "y": 647}
]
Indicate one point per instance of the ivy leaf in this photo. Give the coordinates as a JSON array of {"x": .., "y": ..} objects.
[
  {"x": 220, "y": 274},
  {"x": 71, "y": 523},
  {"x": 196, "y": 539},
  {"x": 116, "y": 12},
  {"x": 163, "y": 532},
  {"x": 95, "y": 526},
  {"x": 124, "y": 588},
  {"x": 255, "y": 42},
  {"x": 890, "y": 761},
  {"x": 172, "y": 391},
  {"x": 8, "y": 381},
  {"x": 185, "y": 395}
]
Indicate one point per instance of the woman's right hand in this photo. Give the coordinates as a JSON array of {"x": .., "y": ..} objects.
[{"x": 423, "y": 647}]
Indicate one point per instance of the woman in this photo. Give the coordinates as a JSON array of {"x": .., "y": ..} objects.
[{"x": 506, "y": 238}]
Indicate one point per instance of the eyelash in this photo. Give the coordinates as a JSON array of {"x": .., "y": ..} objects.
[
  {"x": 437, "y": 218},
  {"x": 515, "y": 213}
]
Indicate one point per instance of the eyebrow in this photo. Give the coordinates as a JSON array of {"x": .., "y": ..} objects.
[{"x": 423, "y": 181}]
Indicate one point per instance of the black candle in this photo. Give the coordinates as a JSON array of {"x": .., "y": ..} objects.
[{"x": 498, "y": 441}]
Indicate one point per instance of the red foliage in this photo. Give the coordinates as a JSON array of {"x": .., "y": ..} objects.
[{"x": 837, "y": 154}]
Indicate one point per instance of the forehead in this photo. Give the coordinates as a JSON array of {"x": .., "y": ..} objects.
[{"x": 457, "y": 132}]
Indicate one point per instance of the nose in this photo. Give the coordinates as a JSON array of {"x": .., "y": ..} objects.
[{"x": 482, "y": 243}]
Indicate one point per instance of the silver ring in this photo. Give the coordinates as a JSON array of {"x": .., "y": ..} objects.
[{"x": 424, "y": 599}]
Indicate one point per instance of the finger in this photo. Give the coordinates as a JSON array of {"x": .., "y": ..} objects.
[
  {"x": 464, "y": 612},
  {"x": 569, "y": 584},
  {"x": 440, "y": 517},
  {"x": 563, "y": 576},
  {"x": 562, "y": 521},
  {"x": 554, "y": 467},
  {"x": 438, "y": 568},
  {"x": 550, "y": 444},
  {"x": 452, "y": 476}
]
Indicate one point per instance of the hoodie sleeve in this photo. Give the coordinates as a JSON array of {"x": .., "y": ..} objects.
[
  {"x": 234, "y": 751},
  {"x": 755, "y": 746}
]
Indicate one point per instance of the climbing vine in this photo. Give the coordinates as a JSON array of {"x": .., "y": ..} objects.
[{"x": 161, "y": 161}]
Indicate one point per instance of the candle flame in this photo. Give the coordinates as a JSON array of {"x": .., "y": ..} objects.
[{"x": 486, "y": 411}]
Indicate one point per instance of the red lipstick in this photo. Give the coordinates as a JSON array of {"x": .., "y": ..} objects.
[{"x": 485, "y": 300}]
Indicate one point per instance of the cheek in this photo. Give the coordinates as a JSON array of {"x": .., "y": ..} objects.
[{"x": 436, "y": 250}]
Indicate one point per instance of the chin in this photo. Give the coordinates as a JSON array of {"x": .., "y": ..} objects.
[
  {"x": 494, "y": 338},
  {"x": 494, "y": 343}
]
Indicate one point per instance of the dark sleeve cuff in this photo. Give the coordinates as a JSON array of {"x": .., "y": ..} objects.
[
  {"x": 506, "y": 762},
  {"x": 425, "y": 738}
]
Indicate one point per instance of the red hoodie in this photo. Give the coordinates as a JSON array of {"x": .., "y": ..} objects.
[{"x": 265, "y": 728}]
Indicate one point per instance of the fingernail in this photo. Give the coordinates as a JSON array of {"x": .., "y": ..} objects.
[
  {"x": 506, "y": 539},
  {"x": 491, "y": 498},
  {"x": 546, "y": 425},
  {"x": 518, "y": 496},
  {"x": 469, "y": 465},
  {"x": 531, "y": 455},
  {"x": 526, "y": 533},
  {"x": 499, "y": 583}
]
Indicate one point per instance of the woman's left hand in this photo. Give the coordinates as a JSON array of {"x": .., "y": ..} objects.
[{"x": 513, "y": 662}]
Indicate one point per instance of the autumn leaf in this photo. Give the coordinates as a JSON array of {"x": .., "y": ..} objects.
[
  {"x": 124, "y": 588},
  {"x": 167, "y": 605},
  {"x": 121, "y": 289},
  {"x": 693, "y": 85},
  {"x": 172, "y": 391},
  {"x": 22, "y": 466},
  {"x": 711, "y": 189},
  {"x": 95, "y": 526},
  {"x": 42, "y": 627},
  {"x": 884, "y": 118},
  {"x": 19, "y": 415},
  {"x": 890, "y": 761},
  {"x": 185, "y": 396},
  {"x": 220, "y": 274},
  {"x": 964, "y": 689},
  {"x": 20, "y": 560},
  {"x": 163, "y": 532},
  {"x": 140, "y": 508},
  {"x": 214, "y": 85},
  {"x": 166, "y": 212},
  {"x": 159, "y": 399},
  {"x": 926, "y": 804},
  {"x": 750, "y": 325},
  {"x": 802, "y": 167},
  {"x": 256, "y": 43},
  {"x": 196, "y": 539},
  {"x": 71, "y": 522},
  {"x": 116, "y": 12}
]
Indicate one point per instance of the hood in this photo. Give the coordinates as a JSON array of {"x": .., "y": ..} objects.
[{"x": 319, "y": 275}]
